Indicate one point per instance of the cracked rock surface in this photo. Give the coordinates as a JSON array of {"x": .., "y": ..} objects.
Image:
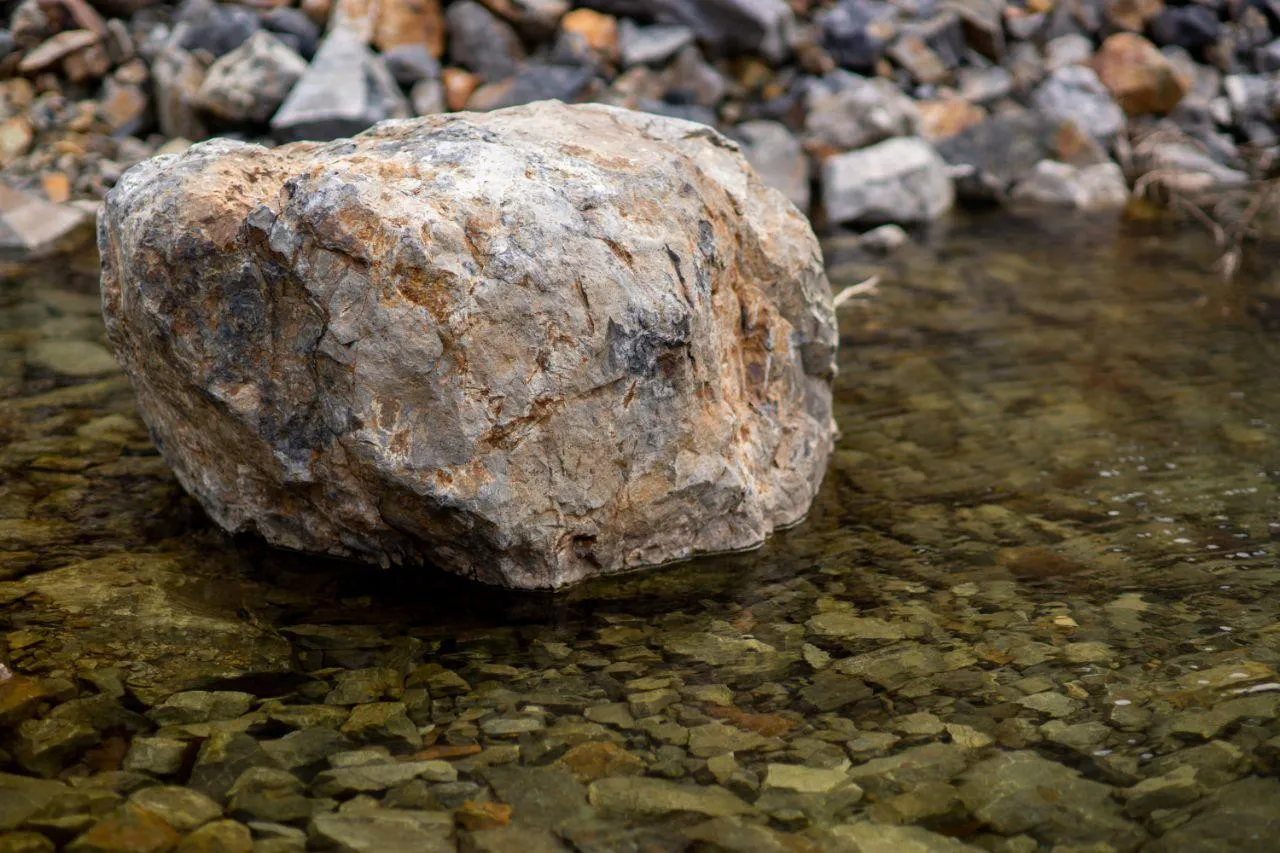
[{"x": 529, "y": 346}]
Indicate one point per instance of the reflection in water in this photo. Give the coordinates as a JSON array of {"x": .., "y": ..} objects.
[{"x": 1046, "y": 546}]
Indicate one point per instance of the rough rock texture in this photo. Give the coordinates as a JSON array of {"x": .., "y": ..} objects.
[{"x": 474, "y": 341}]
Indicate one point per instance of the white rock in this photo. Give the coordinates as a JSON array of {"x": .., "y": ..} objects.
[{"x": 898, "y": 180}]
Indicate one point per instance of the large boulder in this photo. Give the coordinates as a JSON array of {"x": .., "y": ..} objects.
[{"x": 530, "y": 346}]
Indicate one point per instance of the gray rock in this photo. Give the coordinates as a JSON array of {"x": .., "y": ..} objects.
[
  {"x": 1184, "y": 166},
  {"x": 1239, "y": 817},
  {"x": 1074, "y": 93},
  {"x": 899, "y": 180},
  {"x": 866, "y": 837},
  {"x": 1174, "y": 789},
  {"x": 985, "y": 85},
  {"x": 856, "y": 32},
  {"x": 201, "y": 706},
  {"x": 409, "y": 63},
  {"x": 361, "y": 686},
  {"x": 250, "y": 83},
  {"x": 32, "y": 227},
  {"x": 157, "y": 755},
  {"x": 734, "y": 26},
  {"x": 717, "y": 738},
  {"x": 293, "y": 27},
  {"x": 269, "y": 794},
  {"x": 177, "y": 77},
  {"x": 639, "y": 795},
  {"x": 22, "y": 796},
  {"x": 181, "y": 808},
  {"x": 368, "y": 778},
  {"x": 44, "y": 746},
  {"x": 345, "y": 90},
  {"x": 306, "y": 751},
  {"x": 1064, "y": 51},
  {"x": 538, "y": 796},
  {"x": 482, "y": 42},
  {"x": 651, "y": 45},
  {"x": 383, "y": 723},
  {"x": 385, "y": 831},
  {"x": 845, "y": 111},
  {"x": 1098, "y": 187},
  {"x": 1020, "y": 792},
  {"x": 216, "y": 27},
  {"x": 998, "y": 152},
  {"x": 631, "y": 356},
  {"x": 534, "y": 81},
  {"x": 427, "y": 98},
  {"x": 221, "y": 761},
  {"x": 690, "y": 80},
  {"x": 775, "y": 153},
  {"x": 883, "y": 240}
]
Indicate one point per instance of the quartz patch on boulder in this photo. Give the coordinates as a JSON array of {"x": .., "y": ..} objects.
[{"x": 530, "y": 346}]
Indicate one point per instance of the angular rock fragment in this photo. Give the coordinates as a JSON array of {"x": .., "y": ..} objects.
[
  {"x": 475, "y": 341},
  {"x": 898, "y": 180},
  {"x": 250, "y": 82}
]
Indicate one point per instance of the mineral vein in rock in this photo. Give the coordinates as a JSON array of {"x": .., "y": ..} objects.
[{"x": 530, "y": 346}]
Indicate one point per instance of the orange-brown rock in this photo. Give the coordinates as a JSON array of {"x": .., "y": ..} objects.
[
  {"x": 128, "y": 829},
  {"x": 591, "y": 761},
  {"x": 598, "y": 31},
  {"x": 410, "y": 22},
  {"x": 530, "y": 346},
  {"x": 486, "y": 815},
  {"x": 458, "y": 86},
  {"x": 943, "y": 119},
  {"x": 1139, "y": 77},
  {"x": 1132, "y": 15}
]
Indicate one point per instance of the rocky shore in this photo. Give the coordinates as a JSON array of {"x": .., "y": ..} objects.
[{"x": 864, "y": 112}]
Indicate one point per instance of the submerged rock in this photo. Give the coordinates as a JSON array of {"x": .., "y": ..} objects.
[{"x": 467, "y": 340}]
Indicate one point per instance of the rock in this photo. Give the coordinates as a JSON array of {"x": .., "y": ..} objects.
[
  {"x": 221, "y": 761},
  {"x": 981, "y": 86},
  {"x": 22, "y": 796},
  {"x": 427, "y": 98},
  {"x": 250, "y": 83},
  {"x": 690, "y": 80},
  {"x": 123, "y": 107},
  {"x": 845, "y": 111},
  {"x": 734, "y": 26},
  {"x": 383, "y": 723},
  {"x": 514, "y": 839},
  {"x": 1067, "y": 50},
  {"x": 1240, "y": 816},
  {"x": 944, "y": 119},
  {"x": 982, "y": 23},
  {"x": 31, "y": 227},
  {"x": 157, "y": 756},
  {"x": 177, "y": 78},
  {"x": 647, "y": 796},
  {"x": 1184, "y": 167},
  {"x": 712, "y": 464},
  {"x": 899, "y": 180},
  {"x": 1020, "y": 792},
  {"x": 777, "y": 158},
  {"x": 591, "y": 761},
  {"x": 306, "y": 751},
  {"x": 55, "y": 49},
  {"x": 913, "y": 55},
  {"x": 270, "y": 794},
  {"x": 883, "y": 240},
  {"x": 481, "y": 42},
  {"x": 1074, "y": 93},
  {"x": 1131, "y": 15},
  {"x": 651, "y": 45},
  {"x": 598, "y": 32},
  {"x": 344, "y": 90},
  {"x": 538, "y": 796},
  {"x": 717, "y": 738},
  {"x": 385, "y": 831},
  {"x": 220, "y": 836},
  {"x": 26, "y": 842},
  {"x": 201, "y": 706},
  {"x": 856, "y": 32},
  {"x": 72, "y": 358},
  {"x": 536, "y": 18},
  {"x": 362, "y": 686},
  {"x": 533, "y": 82},
  {"x": 1099, "y": 187},
  {"x": 804, "y": 780},
  {"x": 1140, "y": 78},
  {"x": 293, "y": 28},
  {"x": 129, "y": 829},
  {"x": 181, "y": 808},
  {"x": 218, "y": 28},
  {"x": 1193, "y": 27},
  {"x": 867, "y": 837},
  {"x": 411, "y": 63},
  {"x": 43, "y": 746},
  {"x": 1170, "y": 791},
  {"x": 403, "y": 23}
]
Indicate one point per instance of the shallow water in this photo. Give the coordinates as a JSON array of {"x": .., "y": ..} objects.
[{"x": 1042, "y": 569}]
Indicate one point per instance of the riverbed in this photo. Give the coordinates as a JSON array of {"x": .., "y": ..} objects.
[{"x": 1034, "y": 606}]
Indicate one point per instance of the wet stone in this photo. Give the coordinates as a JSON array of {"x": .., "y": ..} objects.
[
  {"x": 651, "y": 702},
  {"x": 804, "y": 780},
  {"x": 385, "y": 831},
  {"x": 616, "y": 714},
  {"x": 220, "y": 836},
  {"x": 181, "y": 808},
  {"x": 717, "y": 738},
  {"x": 383, "y": 723},
  {"x": 42, "y": 746},
  {"x": 221, "y": 761},
  {"x": 269, "y": 794},
  {"x": 363, "y": 686},
  {"x": 647, "y": 796},
  {"x": 128, "y": 830},
  {"x": 26, "y": 842},
  {"x": 538, "y": 796},
  {"x": 513, "y": 839},
  {"x": 591, "y": 761},
  {"x": 23, "y": 796},
  {"x": 200, "y": 706},
  {"x": 305, "y": 752},
  {"x": 364, "y": 778},
  {"x": 1176, "y": 788}
]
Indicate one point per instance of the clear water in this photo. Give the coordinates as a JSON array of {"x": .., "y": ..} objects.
[{"x": 1057, "y": 476}]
